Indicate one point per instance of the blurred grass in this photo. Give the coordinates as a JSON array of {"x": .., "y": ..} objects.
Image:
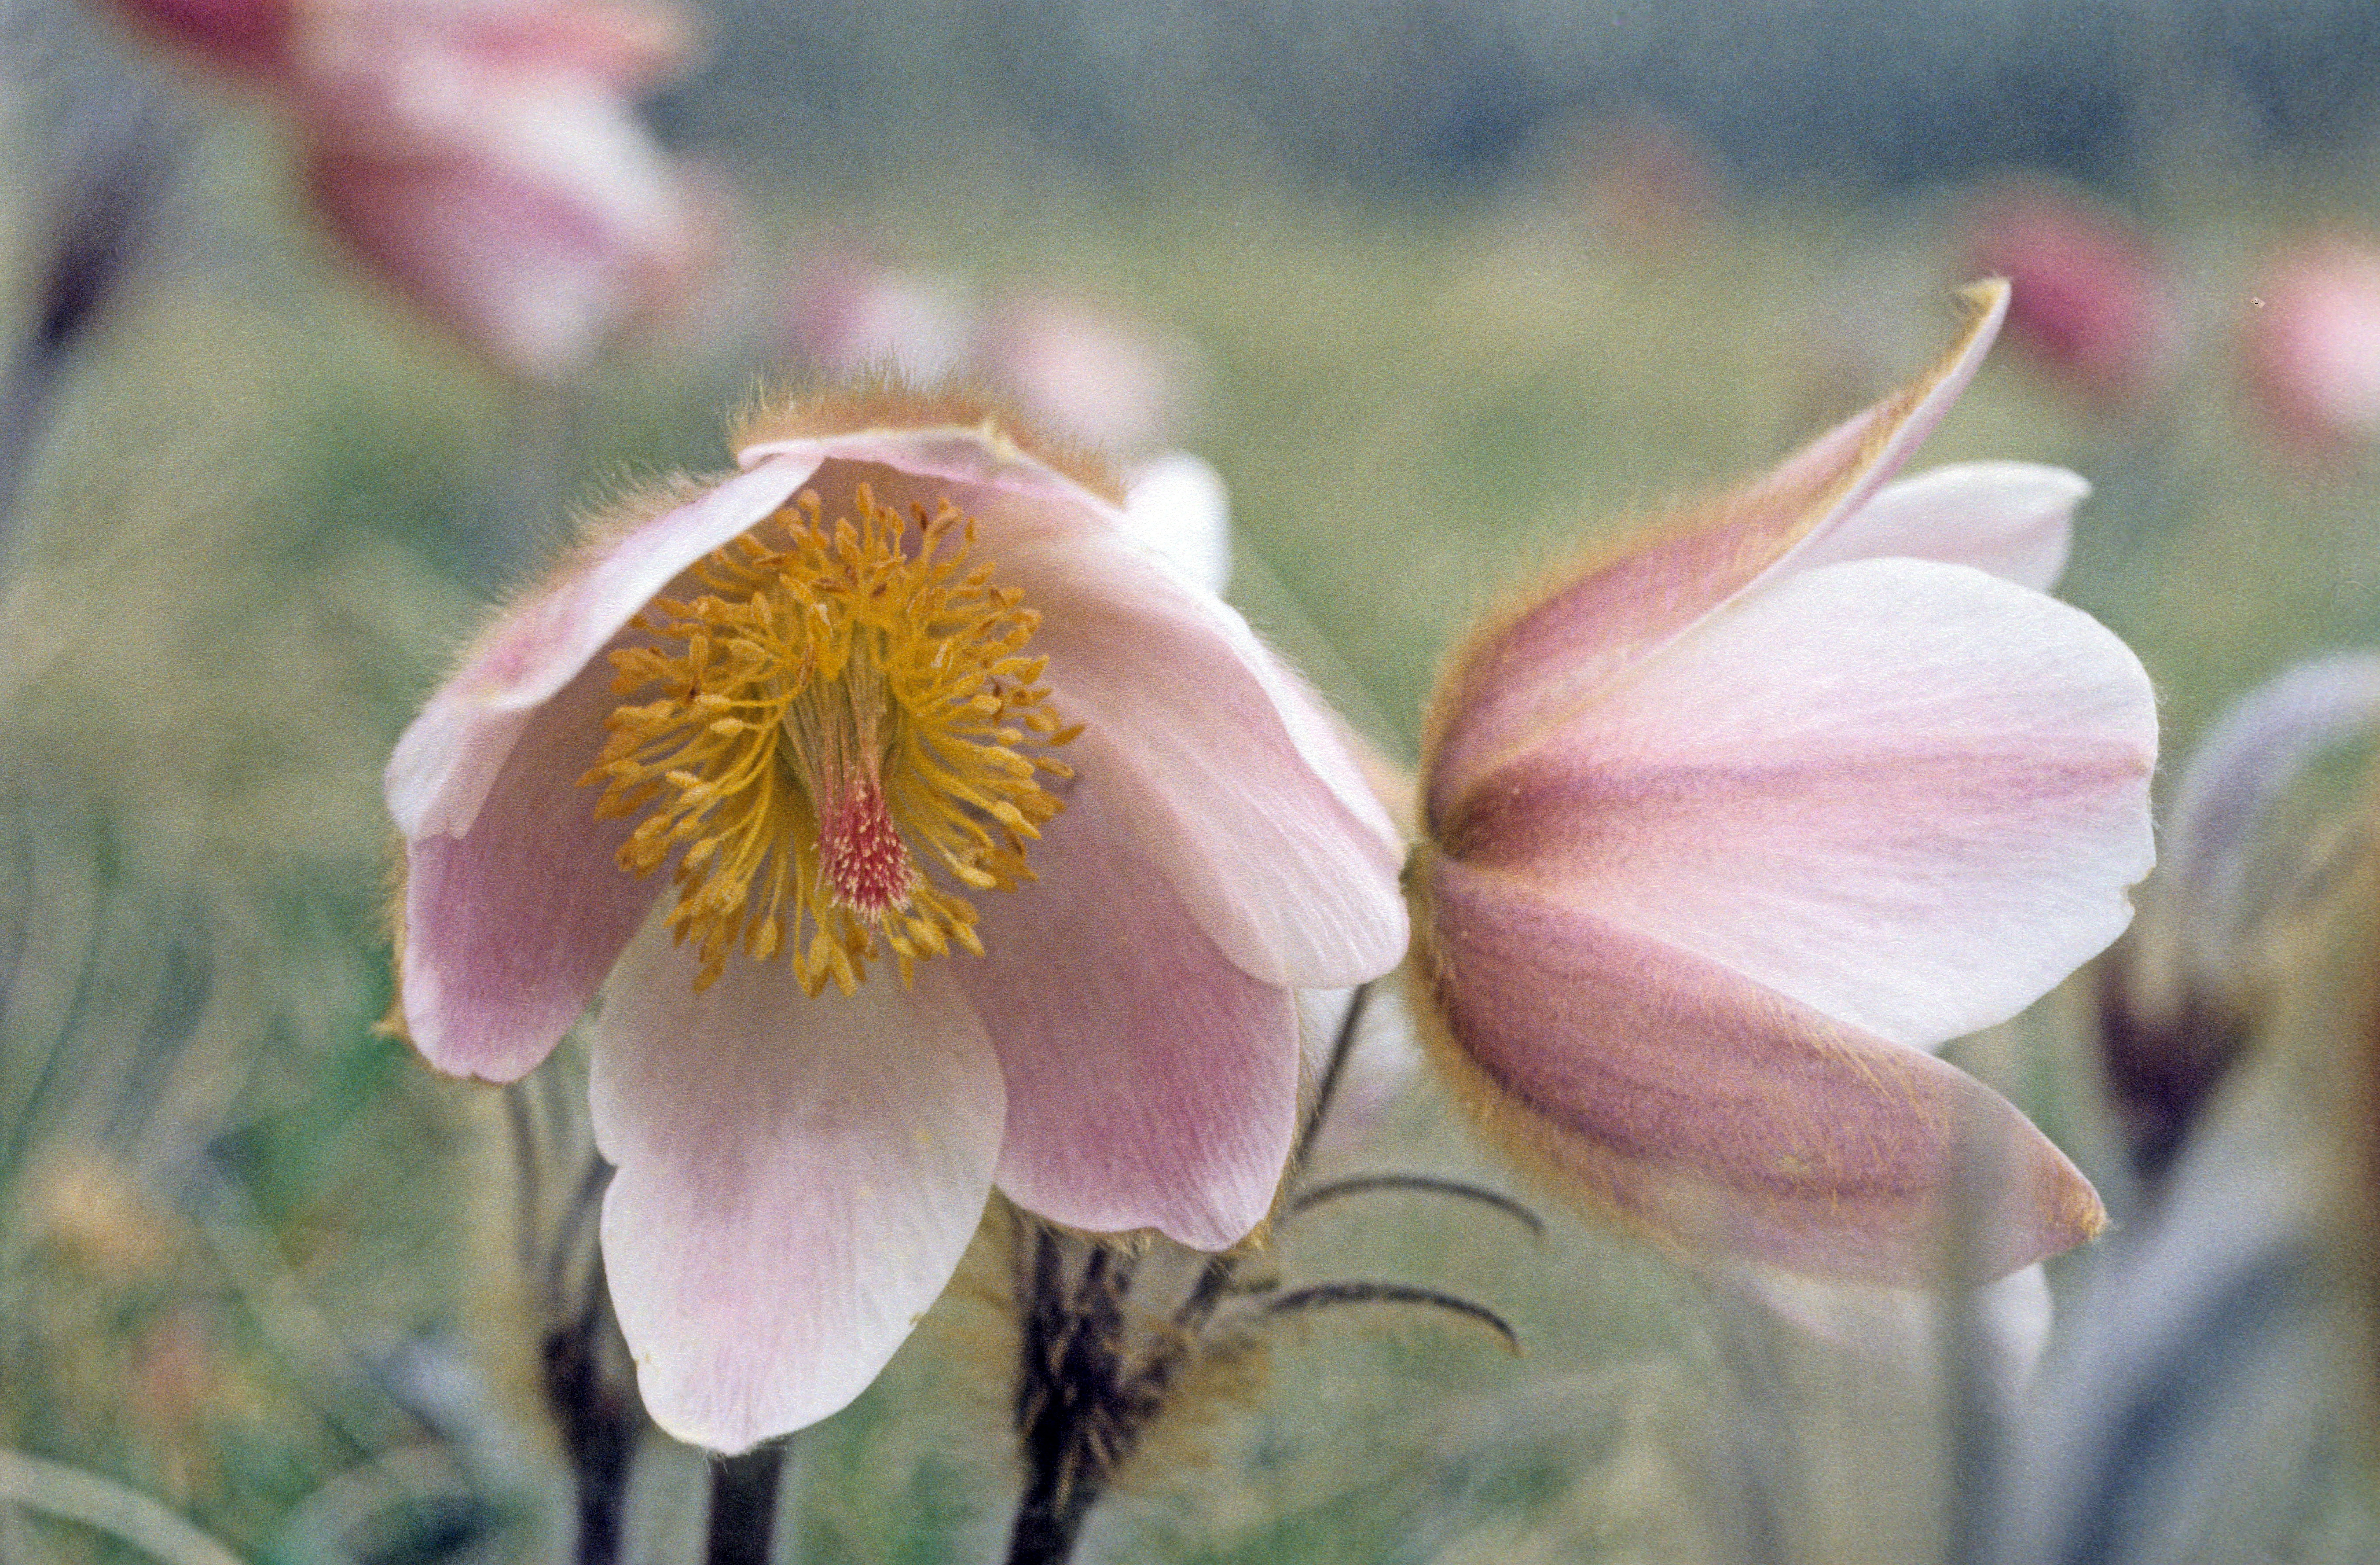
[{"x": 274, "y": 503}]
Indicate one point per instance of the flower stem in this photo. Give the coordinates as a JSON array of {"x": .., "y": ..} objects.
[
  {"x": 1085, "y": 1394},
  {"x": 1342, "y": 1048},
  {"x": 1081, "y": 1406},
  {"x": 744, "y": 1507},
  {"x": 590, "y": 1386},
  {"x": 1051, "y": 1516},
  {"x": 123, "y": 152},
  {"x": 598, "y": 1423}
]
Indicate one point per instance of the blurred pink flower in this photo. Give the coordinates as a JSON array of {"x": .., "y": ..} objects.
[
  {"x": 244, "y": 36},
  {"x": 480, "y": 154},
  {"x": 847, "y": 312},
  {"x": 2313, "y": 341},
  {"x": 2090, "y": 299},
  {"x": 1727, "y": 829},
  {"x": 1648, "y": 184},
  {"x": 1088, "y": 373},
  {"x": 849, "y": 693},
  {"x": 1081, "y": 371}
]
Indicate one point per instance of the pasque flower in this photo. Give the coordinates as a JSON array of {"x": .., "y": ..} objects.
[
  {"x": 2312, "y": 342},
  {"x": 987, "y": 849},
  {"x": 2090, "y": 298},
  {"x": 1728, "y": 828},
  {"x": 481, "y": 155},
  {"x": 485, "y": 162}
]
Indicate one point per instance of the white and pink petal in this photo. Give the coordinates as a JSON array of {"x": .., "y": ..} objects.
[
  {"x": 997, "y": 480},
  {"x": 510, "y": 925},
  {"x": 798, "y": 1180},
  {"x": 446, "y": 760},
  {"x": 1535, "y": 670},
  {"x": 1178, "y": 509},
  {"x": 1221, "y": 765},
  {"x": 1908, "y": 795},
  {"x": 1901, "y": 1327},
  {"x": 1703, "y": 1108},
  {"x": 2014, "y": 519},
  {"x": 1151, "y": 1083}
]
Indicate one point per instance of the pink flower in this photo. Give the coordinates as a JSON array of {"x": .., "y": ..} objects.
[
  {"x": 483, "y": 159},
  {"x": 1728, "y": 828},
  {"x": 244, "y": 36},
  {"x": 2091, "y": 300},
  {"x": 1088, "y": 373},
  {"x": 480, "y": 154},
  {"x": 1648, "y": 184},
  {"x": 2313, "y": 342},
  {"x": 995, "y": 851},
  {"x": 849, "y": 313}
]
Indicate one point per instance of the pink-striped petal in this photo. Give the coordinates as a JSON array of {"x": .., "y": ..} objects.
[
  {"x": 511, "y": 925},
  {"x": 2014, "y": 519},
  {"x": 1877, "y": 441},
  {"x": 1653, "y": 1082},
  {"x": 1151, "y": 1084},
  {"x": 445, "y": 762},
  {"x": 1530, "y": 672},
  {"x": 1907, "y": 795},
  {"x": 798, "y": 1180},
  {"x": 1219, "y": 764}
]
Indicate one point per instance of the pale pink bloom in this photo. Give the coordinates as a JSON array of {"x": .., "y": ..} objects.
[
  {"x": 1728, "y": 828},
  {"x": 2313, "y": 341},
  {"x": 807, "y": 1110},
  {"x": 2090, "y": 299},
  {"x": 846, "y": 313},
  {"x": 480, "y": 154},
  {"x": 1087, "y": 373},
  {"x": 484, "y": 159}
]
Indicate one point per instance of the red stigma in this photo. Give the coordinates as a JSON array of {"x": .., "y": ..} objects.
[{"x": 863, "y": 857}]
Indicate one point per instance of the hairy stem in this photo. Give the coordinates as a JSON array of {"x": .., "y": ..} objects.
[
  {"x": 1081, "y": 1409},
  {"x": 1342, "y": 1048},
  {"x": 1085, "y": 1399}
]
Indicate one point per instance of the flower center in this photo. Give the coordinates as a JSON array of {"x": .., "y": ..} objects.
[{"x": 843, "y": 722}]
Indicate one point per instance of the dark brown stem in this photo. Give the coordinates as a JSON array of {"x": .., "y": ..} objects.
[
  {"x": 1082, "y": 1405},
  {"x": 1081, "y": 1410},
  {"x": 111, "y": 178},
  {"x": 1427, "y": 1184},
  {"x": 1050, "y": 1517},
  {"x": 599, "y": 1415},
  {"x": 744, "y": 1507},
  {"x": 1329, "y": 1295}
]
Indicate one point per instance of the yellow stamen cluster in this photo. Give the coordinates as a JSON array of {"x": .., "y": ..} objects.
[{"x": 848, "y": 707}]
